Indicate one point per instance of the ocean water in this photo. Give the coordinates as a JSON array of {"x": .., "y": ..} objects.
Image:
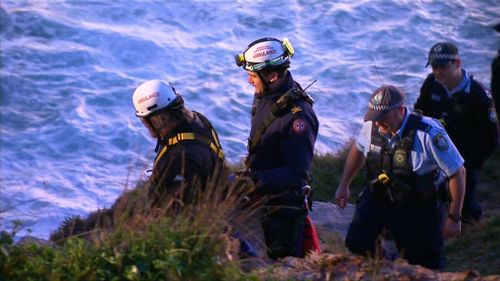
[{"x": 70, "y": 142}]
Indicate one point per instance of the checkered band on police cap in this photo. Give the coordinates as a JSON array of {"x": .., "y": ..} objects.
[
  {"x": 384, "y": 100},
  {"x": 441, "y": 53}
]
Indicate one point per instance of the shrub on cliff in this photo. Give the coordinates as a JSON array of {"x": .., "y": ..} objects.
[{"x": 134, "y": 241}]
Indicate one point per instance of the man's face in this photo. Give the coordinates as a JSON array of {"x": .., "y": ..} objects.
[
  {"x": 254, "y": 79},
  {"x": 391, "y": 122},
  {"x": 446, "y": 74}
]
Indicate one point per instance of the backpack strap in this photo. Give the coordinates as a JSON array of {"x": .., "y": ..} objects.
[
  {"x": 181, "y": 137},
  {"x": 215, "y": 138}
]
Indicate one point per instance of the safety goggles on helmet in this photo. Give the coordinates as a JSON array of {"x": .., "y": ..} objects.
[
  {"x": 153, "y": 96},
  {"x": 265, "y": 53}
]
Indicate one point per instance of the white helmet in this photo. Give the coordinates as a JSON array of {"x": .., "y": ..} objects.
[
  {"x": 265, "y": 53},
  {"x": 154, "y": 95}
]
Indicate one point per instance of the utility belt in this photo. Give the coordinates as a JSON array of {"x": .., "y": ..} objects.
[
  {"x": 300, "y": 198},
  {"x": 429, "y": 188}
]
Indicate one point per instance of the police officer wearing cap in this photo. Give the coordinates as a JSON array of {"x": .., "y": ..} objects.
[
  {"x": 281, "y": 143},
  {"x": 467, "y": 112},
  {"x": 410, "y": 161},
  {"x": 189, "y": 152}
]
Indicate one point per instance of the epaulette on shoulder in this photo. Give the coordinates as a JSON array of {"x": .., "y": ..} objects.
[
  {"x": 422, "y": 126},
  {"x": 295, "y": 109},
  {"x": 476, "y": 85},
  {"x": 416, "y": 118}
]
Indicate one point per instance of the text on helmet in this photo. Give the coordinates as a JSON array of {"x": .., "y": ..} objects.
[
  {"x": 263, "y": 51},
  {"x": 153, "y": 95}
]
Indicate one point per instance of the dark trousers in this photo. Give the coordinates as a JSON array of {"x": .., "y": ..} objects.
[
  {"x": 284, "y": 231},
  {"x": 417, "y": 229},
  {"x": 471, "y": 209}
]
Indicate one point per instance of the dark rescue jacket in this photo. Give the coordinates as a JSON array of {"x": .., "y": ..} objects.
[
  {"x": 189, "y": 158},
  {"x": 400, "y": 184},
  {"x": 469, "y": 118},
  {"x": 280, "y": 157}
]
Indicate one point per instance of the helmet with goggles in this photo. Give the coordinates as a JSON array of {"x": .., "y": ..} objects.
[
  {"x": 153, "y": 96},
  {"x": 265, "y": 53}
]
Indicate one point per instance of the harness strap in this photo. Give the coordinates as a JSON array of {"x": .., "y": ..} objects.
[
  {"x": 180, "y": 137},
  {"x": 252, "y": 141},
  {"x": 215, "y": 137}
]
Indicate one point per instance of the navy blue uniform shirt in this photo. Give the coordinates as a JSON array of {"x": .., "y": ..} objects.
[
  {"x": 469, "y": 114},
  {"x": 282, "y": 159}
]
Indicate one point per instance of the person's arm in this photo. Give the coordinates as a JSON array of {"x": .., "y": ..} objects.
[
  {"x": 457, "y": 191},
  {"x": 354, "y": 162}
]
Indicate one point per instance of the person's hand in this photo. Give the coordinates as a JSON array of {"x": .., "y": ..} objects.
[
  {"x": 452, "y": 228},
  {"x": 341, "y": 196}
]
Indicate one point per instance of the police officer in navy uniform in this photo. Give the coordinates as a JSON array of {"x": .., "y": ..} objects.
[
  {"x": 409, "y": 161},
  {"x": 281, "y": 143},
  {"x": 467, "y": 112},
  {"x": 189, "y": 152}
]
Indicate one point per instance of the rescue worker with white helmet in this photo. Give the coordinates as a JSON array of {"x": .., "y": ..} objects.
[
  {"x": 188, "y": 147},
  {"x": 281, "y": 144}
]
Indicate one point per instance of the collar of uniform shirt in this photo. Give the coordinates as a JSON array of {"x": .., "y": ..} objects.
[
  {"x": 464, "y": 85},
  {"x": 397, "y": 135}
]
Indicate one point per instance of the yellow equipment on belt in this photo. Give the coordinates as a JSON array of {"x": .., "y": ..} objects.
[{"x": 383, "y": 178}]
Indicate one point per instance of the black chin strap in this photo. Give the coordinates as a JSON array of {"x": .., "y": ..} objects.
[{"x": 157, "y": 147}]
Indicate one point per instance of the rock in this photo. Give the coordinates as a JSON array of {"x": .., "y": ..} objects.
[
  {"x": 25, "y": 240},
  {"x": 351, "y": 267},
  {"x": 328, "y": 217},
  {"x": 331, "y": 223}
]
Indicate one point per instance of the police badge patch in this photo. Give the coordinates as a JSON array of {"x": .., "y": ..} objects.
[
  {"x": 400, "y": 157},
  {"x": 440, "y": 142},
  {"x": 299, "y": 126},
  {"x": 377, "y": 99}
]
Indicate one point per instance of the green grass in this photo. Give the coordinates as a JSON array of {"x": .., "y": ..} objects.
[
  {"x": 327, "y": 171},
  {"x": 158, "y": 253},
  {"x": 479, "y": 246},
  {"x": 144, "y": 243}
]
